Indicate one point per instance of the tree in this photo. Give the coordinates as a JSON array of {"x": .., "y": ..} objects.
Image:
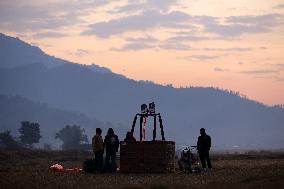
[
  {"x": 30, "y": 133},
  {"x": 8, "y": 142},
  {"x": 72, "y": 137}
]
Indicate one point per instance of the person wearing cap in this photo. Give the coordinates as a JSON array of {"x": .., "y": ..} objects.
[{"x": 203, "y": 148}]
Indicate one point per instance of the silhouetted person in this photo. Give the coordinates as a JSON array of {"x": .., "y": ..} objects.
[
  {"x": 129, "y": 137},
  {"x": 203, "y": 147},
  {"x": 112, "y": 144},
  {"x": 98, "y": 149}
]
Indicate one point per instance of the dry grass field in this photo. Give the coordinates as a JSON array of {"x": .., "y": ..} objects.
[{"x": 29, "y": 169}]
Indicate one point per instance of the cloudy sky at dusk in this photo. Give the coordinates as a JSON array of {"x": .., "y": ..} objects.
[{"x": 235, "y": 45}]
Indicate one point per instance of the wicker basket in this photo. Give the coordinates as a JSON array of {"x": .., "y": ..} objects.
[{"x": 147, "y": 157}]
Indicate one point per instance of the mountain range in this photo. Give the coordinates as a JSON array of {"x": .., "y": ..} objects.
[{"x": 94, "y": 96}]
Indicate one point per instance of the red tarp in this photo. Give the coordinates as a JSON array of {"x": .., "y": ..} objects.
[{"x": 60, "y": 168}]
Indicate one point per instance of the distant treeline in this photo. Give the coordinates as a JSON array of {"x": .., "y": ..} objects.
[{"x": 73, "y": 137}]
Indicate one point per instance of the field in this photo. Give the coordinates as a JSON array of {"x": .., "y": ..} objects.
[{"x": 29, "y": 169}]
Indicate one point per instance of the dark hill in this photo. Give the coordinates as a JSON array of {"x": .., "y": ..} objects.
[
  {"x": 15, "y": 52},
  {"x": 230, "y": 119}
]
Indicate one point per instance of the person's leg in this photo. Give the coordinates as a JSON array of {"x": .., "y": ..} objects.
[
  {"x": 207, "y": 157},
  {"x": 100, "y": 161},
  {"x": 96, "y": 161},
  {"x": 202, "y": 159},
  {"x": 183, "y": 165},
  {"x": 107, "y": 164},
  {"x": 180, "y": 165},
  {"x": 113, "y": 161}
]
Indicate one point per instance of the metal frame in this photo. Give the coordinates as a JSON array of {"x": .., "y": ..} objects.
[{"x": 155, "y": 124}]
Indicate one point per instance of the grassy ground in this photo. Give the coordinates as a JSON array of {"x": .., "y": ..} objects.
[{"x": 29, "y": 169}]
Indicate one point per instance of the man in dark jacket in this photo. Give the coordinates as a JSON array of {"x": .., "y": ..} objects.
[
  {"x": 203, "y": 147},
  {"x": 111, "y": 143}
]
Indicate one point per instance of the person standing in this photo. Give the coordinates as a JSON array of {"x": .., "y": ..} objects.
[
  {"x": 203, "y": 148},
  {"x": 98, "y": 149},
  {"x": 111, "y": 143}
]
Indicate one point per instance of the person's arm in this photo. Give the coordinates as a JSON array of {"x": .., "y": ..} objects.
[
  {"x": 105, "y": 141},
  {"x": 101, "y": 143},
  {"x": 93, "y": 143},
  {"x": 209, "y": 142},
  {"x": 198, "y": 143},
  {"x": 117, "y": 143}
]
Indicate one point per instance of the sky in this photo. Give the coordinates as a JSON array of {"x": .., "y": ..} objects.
[{"x": 230, "y": 44}]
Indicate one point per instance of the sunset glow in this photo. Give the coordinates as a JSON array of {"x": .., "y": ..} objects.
[{"x": 234, "y": 45}]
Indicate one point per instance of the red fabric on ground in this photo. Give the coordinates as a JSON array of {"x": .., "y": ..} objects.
[{"x": 60, "y": 168}]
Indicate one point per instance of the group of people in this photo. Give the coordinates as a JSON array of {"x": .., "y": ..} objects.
[{"x": 110, "y": 145}]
